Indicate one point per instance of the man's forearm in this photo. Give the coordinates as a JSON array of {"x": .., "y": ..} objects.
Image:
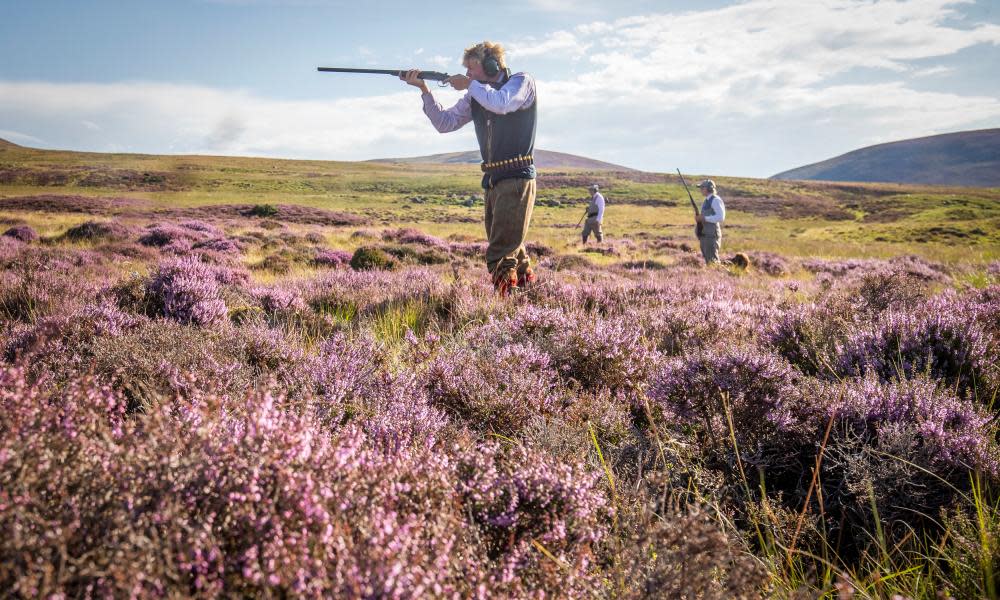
[{"x": 445, "y": 120}]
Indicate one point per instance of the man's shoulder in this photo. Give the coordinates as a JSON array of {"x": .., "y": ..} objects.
[{"x": 521, "y": 75}]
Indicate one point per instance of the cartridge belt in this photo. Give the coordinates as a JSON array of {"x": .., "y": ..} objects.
[{"x": 511, "y": 164}]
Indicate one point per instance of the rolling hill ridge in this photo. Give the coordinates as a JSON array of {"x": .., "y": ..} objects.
[
  {"x": 545, "y": 159},
  {"x": 966, "y": 158}
]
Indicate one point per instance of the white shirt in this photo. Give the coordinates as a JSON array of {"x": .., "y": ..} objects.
[
  {"x": 720, "y": 210},
  {"x": 597, "y": 201},
  {"x": 516, "y": 93}
]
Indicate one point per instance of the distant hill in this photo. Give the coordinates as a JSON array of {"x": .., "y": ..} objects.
[
  {"x": 544, "y": 159},
  {"x": 966, "y": 158},
  {"x": 4, "y": 142}
]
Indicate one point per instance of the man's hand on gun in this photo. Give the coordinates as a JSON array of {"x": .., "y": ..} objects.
[
  {"x": 459, "y": 82},
  {"x": 412, "y": 77}
]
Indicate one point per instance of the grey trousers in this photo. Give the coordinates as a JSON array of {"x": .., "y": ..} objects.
[
  {"x": 508, "y": 213},
  {"x": 710, "y": 248},
  {"x": 592, "y": 225}
]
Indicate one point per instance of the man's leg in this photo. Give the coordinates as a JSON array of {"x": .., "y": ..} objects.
[
  {"x": 710, "y": 249},
  {"x": 599, "y": 231},
  {"x": 586, "y": 230},
  {"x": 509, "y": 215}
]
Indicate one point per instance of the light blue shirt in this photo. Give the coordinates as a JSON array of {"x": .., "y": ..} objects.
[{"x": 518, "y": 92}]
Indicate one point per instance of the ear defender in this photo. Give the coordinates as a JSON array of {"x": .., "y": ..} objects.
[{"x": 491, "y": 67}]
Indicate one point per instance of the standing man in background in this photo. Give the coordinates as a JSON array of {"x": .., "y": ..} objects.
[
  {"x": 595, "y": 215},
  {"x": 503, "y": 109},
  {"x": 713, "y": 213}
]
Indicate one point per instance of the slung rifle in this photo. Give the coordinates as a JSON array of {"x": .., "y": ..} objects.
[{"x": 698, "y": 227}]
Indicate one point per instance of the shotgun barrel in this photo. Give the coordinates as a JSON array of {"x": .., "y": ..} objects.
[{"x": 427, "y": 75}]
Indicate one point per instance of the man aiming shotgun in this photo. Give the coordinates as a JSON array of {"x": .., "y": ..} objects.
[{"x": 503, "y": 109}]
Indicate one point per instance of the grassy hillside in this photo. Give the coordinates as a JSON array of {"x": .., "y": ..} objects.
[
  {"x": 970, "y": 158},
  {"x": 793, "y": 218},
  {"x": 545, "y": 159},
  {"x": 261, "y": 378}
]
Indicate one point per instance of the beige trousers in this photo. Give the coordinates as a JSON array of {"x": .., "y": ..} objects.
[
  {"x": 508, "y": 212},
  {"x": 710, "y": 248},
  {"x": 592, "y": 225}
]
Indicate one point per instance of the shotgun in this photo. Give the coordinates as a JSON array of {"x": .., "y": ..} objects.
[
  {"x": 698, "y": 227},
  {"x": 426, "y": 75}
]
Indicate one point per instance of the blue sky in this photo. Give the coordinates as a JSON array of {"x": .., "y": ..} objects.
[{"x": 728, "y": 88}]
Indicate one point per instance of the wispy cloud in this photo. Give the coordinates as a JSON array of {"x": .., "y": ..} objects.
[
  {"x": 154, "y": 117},
  {"x": 18, "y": 137},
  {"x": 562, "y": 43},
  {"x": 748, "y": 89},
  {"x": 764, "y": 63}
]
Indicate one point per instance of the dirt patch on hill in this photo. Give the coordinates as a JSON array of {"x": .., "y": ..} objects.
[
  {"x": 36, "y": 177},
  {"x": 127, "y": 179},
  {"x": 94, "y": 177},
  {"x": 547, "y": 181},
  {"x": 944, "y": 234},
  {"x": 53, "y": 203},
  {"x": 796, "y": 207},
  {"x": 288, "y": 213}
]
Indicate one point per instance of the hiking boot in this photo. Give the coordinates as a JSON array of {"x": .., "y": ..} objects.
[
  {"x": 526, "y": 278},
  {"x": 505, "y": 280}
]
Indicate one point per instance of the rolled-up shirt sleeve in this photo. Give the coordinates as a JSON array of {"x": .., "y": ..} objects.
[
  {"x": 720, "y": 211},
  {"x": 517, "y": 93},
  {"x": 445, "y": 120}
]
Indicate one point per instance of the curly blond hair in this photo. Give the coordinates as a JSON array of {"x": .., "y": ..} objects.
[{"x": 483, "y": 49}]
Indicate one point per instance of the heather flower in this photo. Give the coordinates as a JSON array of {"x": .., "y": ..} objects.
[
  {"x": 332, "y": 258},
  {"x": 93, "y": 230},
  {"x": 806, "y": 335},
  {"x": 201, "y": 227},
  {"x": 770, "y": 263},
  {"x": 518, "y": 498},
  {"x": 23, "y": 233},
  {"x": 413, "y": 236},
  {"x": 220, "y": 245},
  {"x": 939, "y": 340},
  {"x": 188, "y": 292},
  {"x": 598, "y": 353},
  {"x": 468, "y": 249},
  {"x": 167, "y": 235},
  {"x": 244, "y": 499},
  {"x": 496, "y": 389},
  {"x": 275, "y": 299},
  {"x": 756, "y": 389},
  {"x": 953, "y": 432}
]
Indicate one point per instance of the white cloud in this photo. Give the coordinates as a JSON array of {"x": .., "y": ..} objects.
[
  {"x": 749, "y": 89},
  {"x": 561, "y": 43},
  {"x": 154, "y": 117},
  {"x": 931, "y": 71},
  {"x": 762, "y": 64},
  {"x": 445, "y": 63},
  {"x": 18, "y": 137}
]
